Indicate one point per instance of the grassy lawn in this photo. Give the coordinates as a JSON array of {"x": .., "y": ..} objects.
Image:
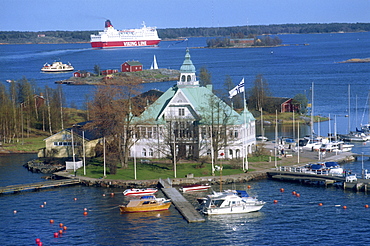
[
  {"x": 157, "y": 170},
  {"x": 32, "y": 144}
]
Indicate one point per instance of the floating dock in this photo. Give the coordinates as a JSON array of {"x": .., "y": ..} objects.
[
  {"x": 37, "y": 186},
  {"x": 182, "y": 205}
]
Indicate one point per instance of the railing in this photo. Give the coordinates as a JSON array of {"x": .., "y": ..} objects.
[{"x": 308, "y": 171}]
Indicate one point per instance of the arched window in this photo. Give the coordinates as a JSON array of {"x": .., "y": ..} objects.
[
  {"x": 143, "y": 153},
  {"x": 183, "y": 78},
  {"x": 189, "y": 78},
  {"x": 151, "y": 152}
]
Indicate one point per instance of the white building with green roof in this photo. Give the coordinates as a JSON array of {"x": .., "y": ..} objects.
[{"x": 192, "y": 120}]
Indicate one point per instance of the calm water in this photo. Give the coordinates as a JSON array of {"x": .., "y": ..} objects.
[{"x": 293, "y": 220}]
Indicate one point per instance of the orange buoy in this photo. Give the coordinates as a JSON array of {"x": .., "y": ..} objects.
[
  {"x": 366, "y": 206},
  {"x": 15, "y": 211},
  {"x": 41, "y": 206},
  {"x": 64, "y": 228},
  {"x": 56, "y": 234},
  {"x": 344, "y": 207},
  {"x": 51, "y": 221},
  {"x": 297, "y": 195},
  {"x": 112, "y": 194},
  {"x": 60, "y": 224},
  {"x": 248, "y": 186},
  {"x": 320, "y": 204},
  {"x": 60, "y": 231},
  {"x": 282, "y": 189},
  {"x": 85, "y": 213},
  {"x": 294, "y": 193},
  {"x": 275, "y": 201},
  {"x": 75, "y": 199}
]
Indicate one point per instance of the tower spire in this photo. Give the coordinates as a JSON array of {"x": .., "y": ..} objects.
[{"x": 187, "y": 72}]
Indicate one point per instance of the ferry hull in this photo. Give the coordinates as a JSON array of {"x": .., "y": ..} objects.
[{"x": 113, "y": 44}]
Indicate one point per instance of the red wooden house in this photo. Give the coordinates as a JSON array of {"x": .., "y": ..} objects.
[
  {"x": 109, "y": 71},
  {"x": 131, "y": 66},
  {"x": 81, "y": 74}
]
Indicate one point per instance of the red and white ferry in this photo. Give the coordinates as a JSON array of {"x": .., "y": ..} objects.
[
  {"x": 110, "y": 37},
  {"x": 140, "y": 192},
  {"x": 195, "y": 187}
]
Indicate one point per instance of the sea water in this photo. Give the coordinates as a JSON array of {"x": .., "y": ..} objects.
[{"x": 292, "y": 220}]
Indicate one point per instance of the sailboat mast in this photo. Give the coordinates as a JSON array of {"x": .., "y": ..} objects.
[{"x": 312, "y": 91}]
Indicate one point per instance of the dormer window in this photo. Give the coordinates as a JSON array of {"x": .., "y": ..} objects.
[{"x": 181, "y": 112}]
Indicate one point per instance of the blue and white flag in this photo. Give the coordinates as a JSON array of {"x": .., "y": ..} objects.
[{"x": 237, "y": 89}]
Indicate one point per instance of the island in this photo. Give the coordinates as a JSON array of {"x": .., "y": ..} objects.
[
  {"x": 356, "y": 60},
  {"x": 146, "y": 76}
]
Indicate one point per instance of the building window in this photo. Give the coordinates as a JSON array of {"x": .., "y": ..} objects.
[
  {"x": 151, "y": 153},
  {"x": 189, "y": 78},
  {"x": 183, "y": 78},
  {"x": 143, "y": 152},
  {"x": 236, "y": 134},
  {"x": 181, "y": 111}
]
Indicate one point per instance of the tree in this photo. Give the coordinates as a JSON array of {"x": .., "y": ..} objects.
[
  {"x": 112, "y": 112},
  {"x": 259, "y": 93},
  {"x": 303, "y": 101},
  {"x": 97, "y": 69},
  {"x": 205, "y": 78}
]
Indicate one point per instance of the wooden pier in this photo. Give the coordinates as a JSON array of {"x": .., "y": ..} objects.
[
  {"x": 355, "y": 185},
  {"x": 182, "y": 205},
  {"x": 37, "y": 186}
]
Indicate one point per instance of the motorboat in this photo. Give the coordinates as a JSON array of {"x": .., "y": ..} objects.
[
  {"x": 230, "y": 202},
  {"x": 325, "y": 168},
  {"x": 353, "y": 137},
  {"x": 195, "y": 187},
  {"x": 57, "y": 66},
  {"x": 146, "y": 204},
  {"x": 140, "y": 192},
  {"x": 312, "y": 144},
  {"x": 262, "y": 138}
]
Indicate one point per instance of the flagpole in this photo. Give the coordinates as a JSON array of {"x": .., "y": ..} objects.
[{"x": 246, "y": 167}]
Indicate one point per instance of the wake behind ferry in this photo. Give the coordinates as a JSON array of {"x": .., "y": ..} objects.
[{"x": 110, "y": 37}]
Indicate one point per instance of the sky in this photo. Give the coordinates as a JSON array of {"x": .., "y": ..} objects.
[{"x": 74, "y": 15}]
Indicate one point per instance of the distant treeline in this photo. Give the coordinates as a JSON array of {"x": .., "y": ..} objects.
[{"x": 15, "y": 37}]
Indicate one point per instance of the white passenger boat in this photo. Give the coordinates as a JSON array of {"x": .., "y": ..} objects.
[
  {"x": 57, "y": 67},
  {"x": 230, "y": 202}
]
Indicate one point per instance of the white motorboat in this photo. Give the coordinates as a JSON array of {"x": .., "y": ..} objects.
[
  {"x": 229, "y": 202},
  {"x": 195, "y": 187},
  {"x": 140, "y": 192}
]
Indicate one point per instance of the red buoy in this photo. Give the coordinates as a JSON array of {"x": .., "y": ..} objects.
[
  {"x": 37, "y": 240},
  {"x": 294, "y": 193},
  {"x": 75, "y": 199},
  {"x": 248, "y": 186},
  {"x": 112, "y": 194},
  {"x": 282, "y": 189},
  {"x": 275, "y": 201},
  {"x": 366, "y": 206},
  {"x": 51, "y": 221},
  {"x": 56, "y": 234},
  {"x": 298, "y": 195},
  {"x": 85, "y": 213},
  {"x": 39, "y": 243},
  {"x": 320, "y": 204},
  {"x": 344, "y": 207}
]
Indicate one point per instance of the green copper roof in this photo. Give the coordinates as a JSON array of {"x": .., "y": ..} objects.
[
  {"x": 199, "y": 98},
  {"x": 187, "y": 65}
]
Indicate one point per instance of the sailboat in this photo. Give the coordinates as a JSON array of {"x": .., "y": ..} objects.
[{"x": 154, "y": 63}]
